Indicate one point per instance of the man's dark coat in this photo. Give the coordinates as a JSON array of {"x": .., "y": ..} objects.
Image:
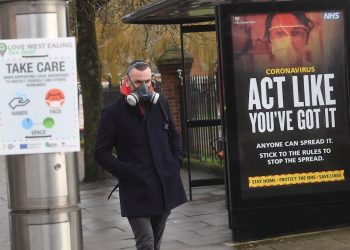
[{"x": 148, "y": 159}]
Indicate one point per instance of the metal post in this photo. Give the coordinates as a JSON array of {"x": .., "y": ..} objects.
[
  {"x": 109, "y": 80},
  {"x": 185, "y": 112},
  {"x": 42, "y": 188},
  {"x": 184, "y": 129},
  {"x": 109, "y": 87}
]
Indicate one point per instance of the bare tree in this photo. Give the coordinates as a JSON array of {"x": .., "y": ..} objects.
[
  {"x": 119, "y": 43},
  {"x": 89, "y": 70}
]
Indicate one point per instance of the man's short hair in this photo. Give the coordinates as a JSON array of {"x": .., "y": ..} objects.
[
  {"x": 302, "y": 18},
  {"x": 137, "y": 64}
]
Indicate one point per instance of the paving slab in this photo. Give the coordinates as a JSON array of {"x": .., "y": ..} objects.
[{"x": 201, "y": 224}]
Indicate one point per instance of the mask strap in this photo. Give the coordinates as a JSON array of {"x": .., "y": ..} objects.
[
  {"x": 134, "y": 65},
  {"x": 130, "y": 80}
]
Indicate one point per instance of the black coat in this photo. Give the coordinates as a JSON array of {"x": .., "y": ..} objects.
[{"x": 148, "y": 160}]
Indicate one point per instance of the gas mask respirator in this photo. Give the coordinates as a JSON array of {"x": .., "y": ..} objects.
[{"x": 142, "y": 94}]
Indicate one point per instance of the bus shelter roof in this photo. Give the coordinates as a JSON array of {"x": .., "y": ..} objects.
[{"x": 174, "y": 12}]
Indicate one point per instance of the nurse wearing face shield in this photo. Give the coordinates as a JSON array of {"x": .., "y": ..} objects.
[{"x": 287, "y": 36}]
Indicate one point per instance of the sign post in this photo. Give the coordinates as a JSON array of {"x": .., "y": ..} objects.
[{"x": 39, "y": 130}]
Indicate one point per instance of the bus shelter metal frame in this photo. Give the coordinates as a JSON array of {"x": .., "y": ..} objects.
[{"x": 188, "y": 124}]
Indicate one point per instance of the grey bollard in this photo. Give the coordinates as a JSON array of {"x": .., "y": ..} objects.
[
  {"x": 53, "y": 230},
  {"x": 41, "y": 181}
]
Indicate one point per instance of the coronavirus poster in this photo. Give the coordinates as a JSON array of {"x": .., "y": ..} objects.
[
  {"x": 38, "y": 103},
  {"x": 291, "y": 102}
]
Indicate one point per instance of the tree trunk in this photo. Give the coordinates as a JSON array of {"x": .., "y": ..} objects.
[{"x": 89, "y": 70}]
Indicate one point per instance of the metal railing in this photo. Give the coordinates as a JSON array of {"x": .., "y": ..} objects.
[{"x": 203, "y": 116}]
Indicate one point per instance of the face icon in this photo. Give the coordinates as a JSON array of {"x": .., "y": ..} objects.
[
  {"x": 54, "y": 98},
  {"x": 288, "y": 38}
]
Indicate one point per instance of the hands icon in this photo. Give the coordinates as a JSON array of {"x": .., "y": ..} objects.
[{"x": 18, "y": 101}]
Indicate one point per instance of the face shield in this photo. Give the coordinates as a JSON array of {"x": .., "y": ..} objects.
[{"x": 288, "y": 43}]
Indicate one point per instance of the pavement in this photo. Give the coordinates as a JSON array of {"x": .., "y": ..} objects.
[{"x": 200, "y": 224}]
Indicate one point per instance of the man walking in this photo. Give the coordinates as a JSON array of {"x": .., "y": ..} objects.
[{"x": 148, "y": 156}]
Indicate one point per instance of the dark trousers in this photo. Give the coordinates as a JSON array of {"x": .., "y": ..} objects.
[{"x": 148, "y": 231}]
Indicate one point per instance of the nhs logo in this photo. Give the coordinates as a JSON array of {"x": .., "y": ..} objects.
[{"x": 331, "y": 15}]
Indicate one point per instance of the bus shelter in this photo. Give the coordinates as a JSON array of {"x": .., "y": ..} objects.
[
  {"x": 190, "y": 15},
  {"x": 285, "y": 102}
]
